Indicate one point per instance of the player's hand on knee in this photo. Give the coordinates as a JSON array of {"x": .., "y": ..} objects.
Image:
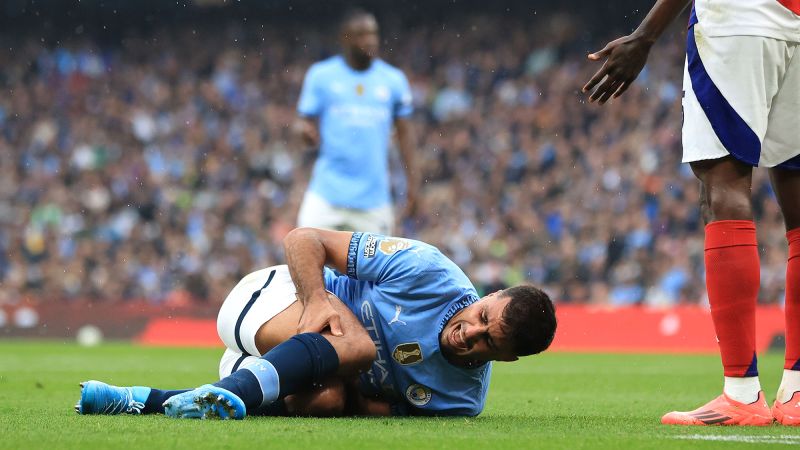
[{"x": 319, "y": 314}]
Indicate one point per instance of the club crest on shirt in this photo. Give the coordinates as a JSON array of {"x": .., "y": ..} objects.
[
  {"x": 369, "y": 247},
  {"x": 392, "y": 246},
  {"x": 408, "y": 353},
  {"x": 359, "y": 89},
  {"x": 418, "y": 395}
]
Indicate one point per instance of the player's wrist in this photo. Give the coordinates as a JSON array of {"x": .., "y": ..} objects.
[
  {"x": 316, "y": 296},
  {"x": 645, "y": 36}
]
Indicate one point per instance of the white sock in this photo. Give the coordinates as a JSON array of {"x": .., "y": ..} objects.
[
  {"x": 789, "y": 385},
  {"x": 742, "y": 389}
]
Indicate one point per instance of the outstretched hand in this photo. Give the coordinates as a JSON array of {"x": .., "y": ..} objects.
[
  {"x": 624, "y": 59},
  {"x": 319, "y": 314}
]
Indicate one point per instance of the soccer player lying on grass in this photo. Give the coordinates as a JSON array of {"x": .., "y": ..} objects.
[{"x": 403, "y": 332}]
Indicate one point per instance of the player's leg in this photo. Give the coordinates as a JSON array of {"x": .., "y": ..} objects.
[
  {"x": 732, "y": 280},
  {"x": 326, "y": 399},
  {"x": 288, "y": 368},
  {"x": 725, "y": 120},
  {"x": 257, "y": 298},
  {"x": 787, "y": 189}
]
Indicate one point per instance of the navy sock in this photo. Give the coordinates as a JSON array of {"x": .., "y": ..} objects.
[
  {"x": 245, "y": 385},
  {"x": 154, "y": 402},
  {"x": 276, "y": 408},
  {"x": 290, "y": 367}
]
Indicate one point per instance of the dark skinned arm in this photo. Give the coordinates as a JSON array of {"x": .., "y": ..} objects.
[
  {"x": 406, "y": 145},
  {"x": 307, "y": 130},
  {"x": 308, "y": 250},
  {"x": 625, "y": 57}
]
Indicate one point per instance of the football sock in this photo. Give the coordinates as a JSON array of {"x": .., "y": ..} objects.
[
  {"x": 732, "y": 279},
  {"x": 742, "y": 389},
  {"x": 154, "y": 398},
  {"x": 790, "y": 383},
  {"x": 291, "y": 366},
  {"x": 276, "y": 408},
  {"x": 792, "y": 307}
]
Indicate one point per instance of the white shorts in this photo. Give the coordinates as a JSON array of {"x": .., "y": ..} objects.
[
  {"x": 256, "y": 299},
  {"x": 316, "y": 212},
  {"x": 741, "y": 98}
]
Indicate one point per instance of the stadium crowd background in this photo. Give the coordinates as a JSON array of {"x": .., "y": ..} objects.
[{"x": 156, "y": 162}]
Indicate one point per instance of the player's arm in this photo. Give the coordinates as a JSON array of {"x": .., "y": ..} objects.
[
  {"x": 307, "y": 251},
  {"x": 406, "y": 144},
  {"x": 307, "y": 130},
  {"x": 309, "y": 107},
  {"x": 625, "y": 57}
]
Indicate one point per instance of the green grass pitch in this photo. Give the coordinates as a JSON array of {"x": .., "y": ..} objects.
[{"x": 556, "y": 400}]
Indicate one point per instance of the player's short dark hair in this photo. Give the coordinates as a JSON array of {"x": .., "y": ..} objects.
[
  {"x": 351, "y": 15},
  {"x": 529, "y": 319}
]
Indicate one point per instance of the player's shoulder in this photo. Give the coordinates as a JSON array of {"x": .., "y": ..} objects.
[
  {"x": 398, "y": 246},
  {"x": 327, "y": 65},
  {"x": 389, "y": 70}
]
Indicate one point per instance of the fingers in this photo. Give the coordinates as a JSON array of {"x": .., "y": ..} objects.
[
  {"x": 601, "y": 90},
  {"x": 336, "y": 325},
  {"x": 596, "y": 78},
  {"x": 623, "y": 87},
  {"x": 603, "y": 52},
  {"x": 612, "y": 88}
]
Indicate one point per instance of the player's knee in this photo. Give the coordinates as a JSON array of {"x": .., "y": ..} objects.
[
  {"x": 362, "y": 350},
  {"x": 727, "y": 204}
]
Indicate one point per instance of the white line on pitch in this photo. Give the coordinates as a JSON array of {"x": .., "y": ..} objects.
[{"x": 752, "y": 439}]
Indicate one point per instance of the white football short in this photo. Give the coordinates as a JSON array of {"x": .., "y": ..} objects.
[
  {"x": 256, "y": 299},
  {"x": 316, "y": 212},
  {"x": 741, "y": 98}
]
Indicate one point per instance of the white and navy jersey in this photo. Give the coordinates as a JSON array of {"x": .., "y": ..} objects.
[
  {"x": 777, "y": 19},
  {"x": 404, "y": 291}
]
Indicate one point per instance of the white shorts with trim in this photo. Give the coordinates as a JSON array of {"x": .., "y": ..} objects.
[
  {"x": 256, "y": 299},
  {"x": 741, "y": 98},
  {"x": 317, "y": 212}
]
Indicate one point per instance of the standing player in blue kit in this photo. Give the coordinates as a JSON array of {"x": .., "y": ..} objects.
[
  {"x": 403, "y": 332},
  {"x": 348, "y": 106}
]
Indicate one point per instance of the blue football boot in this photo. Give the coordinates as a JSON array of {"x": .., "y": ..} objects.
[
  {"x": 206, "y": 402},
  {"x": 101, "y": 398}
]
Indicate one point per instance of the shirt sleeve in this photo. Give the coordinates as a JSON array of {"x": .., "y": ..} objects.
[
  {"x": 381, "y": 259},
  {"x": 403, "y": 106},
  {"x": 310, "y": 102}
]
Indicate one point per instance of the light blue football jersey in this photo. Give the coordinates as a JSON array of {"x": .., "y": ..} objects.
[
  {"x": 356, "y": 111},
  {"x": 404, "y": 291}
]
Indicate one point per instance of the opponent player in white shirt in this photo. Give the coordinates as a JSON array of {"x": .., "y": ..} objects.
[{"x": 741, "y": 110}]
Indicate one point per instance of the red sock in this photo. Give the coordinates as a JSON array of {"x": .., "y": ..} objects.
[
  {"x": 733, "y": 276},
  {"x": 792, "y": 308}
]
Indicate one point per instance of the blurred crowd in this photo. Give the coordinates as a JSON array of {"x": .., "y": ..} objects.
[{"x": 162, "y": 167}]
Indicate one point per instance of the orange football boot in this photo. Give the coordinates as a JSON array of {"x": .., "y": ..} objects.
[
  {"x": 788, "y": 413},
  {"x": 724, "y": 410}
]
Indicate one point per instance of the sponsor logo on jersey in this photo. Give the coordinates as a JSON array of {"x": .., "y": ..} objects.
[
  {"x": 392, "y": 246},
  {"x": 382, "y": 93},
  {"x": 418, "y": 395},
  {"x": 379, "y": 372},
  {"x": 408, "y": 353},
  {"x": 369, "y": 247}
]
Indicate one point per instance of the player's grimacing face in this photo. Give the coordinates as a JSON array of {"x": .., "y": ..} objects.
[
  {"x": 476, "y": 334},
  {"x": 360, "y": 36}
]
